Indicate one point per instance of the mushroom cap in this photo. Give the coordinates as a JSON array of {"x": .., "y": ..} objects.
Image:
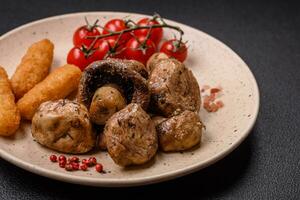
[
  {"x": 115, "y": 71},
  {"x": 135, "y": 65}
]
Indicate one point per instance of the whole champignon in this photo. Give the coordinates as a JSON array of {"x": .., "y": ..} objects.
[
  {"x": 173, "y": 88},
  {"x": 106, "y": 101},
  {"x": 117, "y": 72},
  {"x": 131, "y": 136},
  {"x": 180, "y": 132},
  {"x": 64, "y": 126}
]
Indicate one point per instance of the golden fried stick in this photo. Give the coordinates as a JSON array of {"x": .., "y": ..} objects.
[
  {"x": 9, "y": 114},
  {"x": 34, "y": 67},
  {"x": 57, "y": 85}
]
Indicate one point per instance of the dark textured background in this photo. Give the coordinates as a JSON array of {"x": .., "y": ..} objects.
[{"x": 267, "y": 36}]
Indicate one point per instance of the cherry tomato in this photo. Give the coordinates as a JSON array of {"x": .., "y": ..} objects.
[
  {"x": 77, "y": 57},
  {"x": 155, "y": 34},
  {"x": 108, "y": 48},
  {"x": 79, "y": 36},
  {"x": 138, "y": 49},
  {"x": 174, "y": 48},
  {"x": 115, "y": 25}
]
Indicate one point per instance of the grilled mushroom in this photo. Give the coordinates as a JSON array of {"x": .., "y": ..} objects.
[
  {"x": 106, "y": 101},
  {"x": 64, "y": 126},
  {"x": 131, "y": 136},
  {"x": 180, "y": 132},
  {"x": 173, "y": 88},
  {"x": 118, "y": 72}
]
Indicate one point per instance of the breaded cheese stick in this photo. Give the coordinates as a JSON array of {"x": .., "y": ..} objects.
[
  {"x": 9, "y": 114},
  {"x": 34, "y": 67},
  {"x": 57, "y": 85}
]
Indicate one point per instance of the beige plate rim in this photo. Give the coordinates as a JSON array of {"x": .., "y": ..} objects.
[{"x": 135, "y": 181}]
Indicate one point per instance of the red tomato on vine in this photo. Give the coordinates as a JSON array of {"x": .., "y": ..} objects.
[
  {"x": 139, "y": 49},
  {"x": 81, "y": 34},
  {"x": 174, "y": 48},
  {"x": 155, "y": 34},
  {"x": 116, "y": 25}
]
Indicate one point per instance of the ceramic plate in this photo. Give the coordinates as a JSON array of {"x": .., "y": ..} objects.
[{"x": 212, "y": 62}]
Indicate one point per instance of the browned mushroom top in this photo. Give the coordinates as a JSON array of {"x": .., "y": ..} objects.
[
  {"x": 114, "y": 71},
  {"x": 135, "y": 65}
]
